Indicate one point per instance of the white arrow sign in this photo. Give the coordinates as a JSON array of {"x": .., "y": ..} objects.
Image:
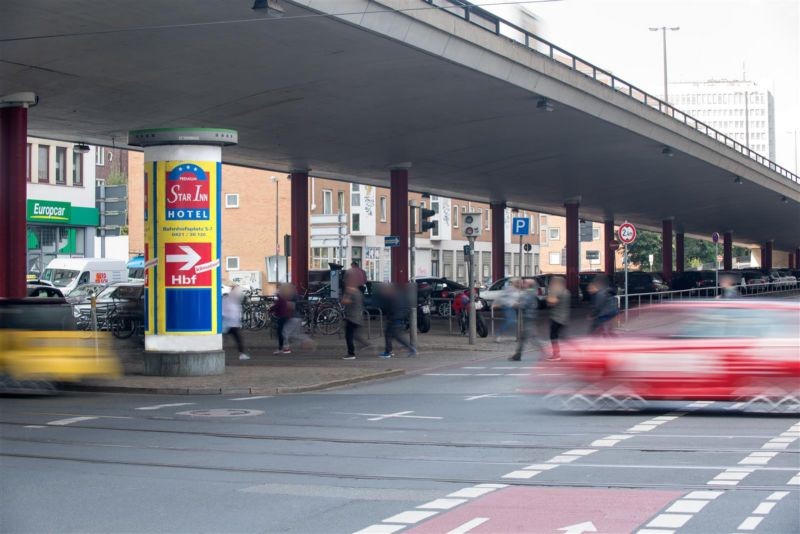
[
  {"x": 189, "y": 257},
  {"x": 579, "y": 528}
]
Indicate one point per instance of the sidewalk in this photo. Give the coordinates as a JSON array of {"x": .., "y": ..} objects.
[{"x": 313, "y": 369}]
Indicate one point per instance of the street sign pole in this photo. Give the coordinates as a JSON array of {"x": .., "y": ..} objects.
[
  {"x": 412, "y": 286},
  {"x": 471, "y": 264},
  {"x": 625, "y": 260},
  {"x": 521, "y": 273}
]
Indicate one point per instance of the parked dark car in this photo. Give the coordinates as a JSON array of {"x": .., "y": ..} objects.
[
  {"x": 440, "y": 288},
  {"x": 42, "y": 291},
  {"x": 753, "y": 277},
  {"x": 693, "y": 280},
  {"x": 640, "y": 282}
]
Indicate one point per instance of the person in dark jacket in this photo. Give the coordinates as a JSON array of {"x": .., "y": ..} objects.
[
  {"x": 395, "y": 309},
  {"x": 604, "y": 306},
  {"x": 353, "y": 302}
]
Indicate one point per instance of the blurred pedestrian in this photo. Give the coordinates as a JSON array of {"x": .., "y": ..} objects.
[
  {"x": 728, "y": 286},
  {"x": 395, "y": 309},
  {"x": 353, "y": 302},
  {"x": 356, "y": 277},
  {"x": 558, "y": 301},
  {"x": 507, "y": 301},
  {"x": 284, "y": 311},
  {"x": 528, "y": 304},
  {"x": 461, "y": 310},
  {"x": 232, "y": 319},
  {"x": 604, "y": 306}
]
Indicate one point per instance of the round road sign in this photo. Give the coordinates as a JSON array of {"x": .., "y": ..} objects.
[
  {"x": 627, "y": 233},
  {"x": 715, "y": 237}
]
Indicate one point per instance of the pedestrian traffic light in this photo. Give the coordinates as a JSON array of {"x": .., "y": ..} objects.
[{"x": 425, "y": 224}]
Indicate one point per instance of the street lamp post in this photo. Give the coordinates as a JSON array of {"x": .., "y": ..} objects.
[
  {"x": 277, "y": 245},
  {"x": 663, "y": 30}
]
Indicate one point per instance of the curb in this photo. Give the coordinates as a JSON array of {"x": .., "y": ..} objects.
[{"x": 256, "y": 390}]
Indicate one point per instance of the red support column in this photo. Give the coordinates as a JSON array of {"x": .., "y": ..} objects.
[
  {"x": 299, "y": 216},
  {"x": 13, "y": 193},
  {"x": 609, "y": 235},
  {"x": 399, "y": 224},
  {"x": 680, "y": 258},
  {"x": 768, "y": 255},
  {"x": 498, "y": 240},
  {"x": 572, "y": 249},
  {"x": 727, "y": 251},
  {"x": 666, "y": 250}
]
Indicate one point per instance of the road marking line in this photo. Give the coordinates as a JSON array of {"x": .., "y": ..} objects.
[
  {"x": 764, "y": 508},
  {"x": 382, "y": 416},
  {"x": 710, "y": 495},
  {"x": 35, "y": 426},
  {"x": 521, "y": 474},
  {"x": 773, "y": 446},
  {"x": 728, "y": 475},
  {"x": 541, "y": 467},
  {"x": 495, "y": 486},
  {"x": 795, "y": 481},
  {"x": 687, "y": 506},
  {"x": 723, "y": 482},
  {"x": 580, "y": 452},
  {"x": 750, "y": 523},
  {"x": 69, "y": 421},
  {"x": 605, "y": 442},
  {"x": 778, "y": 495},
  {"x": 736, "y": 406},
  {"x": 471, "y": 492},
  {"x": 159, "y": 406},
  {"x": 252, "y": 398},
  {"x": 504, "y": 368},
  {"x": 783, "y": 440},
  {"x": 665, "y": 418},
  {"x": 469, "y": 525},
  {"x": 641, "y": 428},
  {"x": 488, "y": 374},
  {"x": 525, "y": 374},
  {"x": 669, "y": 520},
  {"x": 447, "y": 374},
  {"x": 474, "y": 368},
  {"x": 381, "y": 529},
  {"x": 409, "y": 518},
  {"x": 560, "y": 459},
  {"x": 442, "y": 504},
  {"x": 654, "y": 531}
]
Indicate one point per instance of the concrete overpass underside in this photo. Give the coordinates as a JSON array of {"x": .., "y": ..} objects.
[{"x": 350, "y": 94}]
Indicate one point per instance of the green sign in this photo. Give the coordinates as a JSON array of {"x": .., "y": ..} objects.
[{"x": 49, "y": 211}]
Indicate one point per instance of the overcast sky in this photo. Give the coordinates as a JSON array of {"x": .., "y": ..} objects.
[{"x": 717, "y": 39}]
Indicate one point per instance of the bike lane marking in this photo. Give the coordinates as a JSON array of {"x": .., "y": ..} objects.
[{"x": 159, "y": 406}]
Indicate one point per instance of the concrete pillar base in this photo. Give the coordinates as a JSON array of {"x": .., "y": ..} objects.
[{"x": 205, "y": 363}]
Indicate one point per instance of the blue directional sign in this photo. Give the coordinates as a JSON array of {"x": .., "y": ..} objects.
[
  {"x": 391, "y": 241},
  {"x": 520, "y": 226}
]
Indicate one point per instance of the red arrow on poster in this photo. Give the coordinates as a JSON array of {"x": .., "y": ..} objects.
[{"x": 181, "y": 259}]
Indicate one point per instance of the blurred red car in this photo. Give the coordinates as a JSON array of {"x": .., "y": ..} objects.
[{"x": 721, "y": 350}]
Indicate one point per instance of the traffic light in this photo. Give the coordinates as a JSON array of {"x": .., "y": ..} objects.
[{"x": 425, "y": 224}]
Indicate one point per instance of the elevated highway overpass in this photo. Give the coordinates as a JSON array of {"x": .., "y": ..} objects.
[{"x": 349, "y": 88}]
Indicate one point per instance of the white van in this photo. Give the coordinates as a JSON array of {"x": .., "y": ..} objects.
[{"x": 69, "y": 273}]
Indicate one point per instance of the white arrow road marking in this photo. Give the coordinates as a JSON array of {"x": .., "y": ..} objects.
[
  {"x": 382, "y": 416},
  {"x": 159, "y": 406},
  {"x": 579, "y": 528},
  {"x": 189, "y": 258},
  {"x": 469, "y": 525},
  {"x": 62, "y": 422}
]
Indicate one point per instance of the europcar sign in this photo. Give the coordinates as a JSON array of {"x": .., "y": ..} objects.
[{"x": 48, "y": 211}]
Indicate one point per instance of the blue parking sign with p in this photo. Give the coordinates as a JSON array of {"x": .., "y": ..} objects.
[{"x": 520, "y": 226}]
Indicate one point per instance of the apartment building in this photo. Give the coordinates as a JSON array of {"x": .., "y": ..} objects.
[
  {"x": 61, "y": 216},
  {"x": 553, "y": 245}
]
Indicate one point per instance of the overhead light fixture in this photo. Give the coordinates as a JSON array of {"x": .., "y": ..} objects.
[
  {"x": 738, "y": 180},
  {"x": 667, "y": 151},
  {"x": 544, "y": 104},
  {"x": 80, "y": 148},
  {"x": 785, "y": 200},
  {"x": 272, "y": 8}
]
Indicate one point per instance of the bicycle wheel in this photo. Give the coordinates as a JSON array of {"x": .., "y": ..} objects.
[
  {"x": 329, "y": 320},
  {"x": 122, "y": 327}
]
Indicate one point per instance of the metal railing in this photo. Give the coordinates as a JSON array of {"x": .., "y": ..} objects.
[
  {"x": 492, "y": 23},
  {"x": 636, "y": 300}
]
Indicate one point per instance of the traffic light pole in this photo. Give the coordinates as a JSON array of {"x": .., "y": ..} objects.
[
  {"x": 471, "y": 264},
  {"x": 412, "y": 286}
]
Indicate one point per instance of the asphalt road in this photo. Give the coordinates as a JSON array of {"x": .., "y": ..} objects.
[{"x": 463, "y": 450}]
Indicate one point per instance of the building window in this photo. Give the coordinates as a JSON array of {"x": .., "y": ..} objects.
[
  {"x": 456, "y": 216},
  {"x": 555, "y": 234},
  {"x": 232, "y": 263},
  {"x": 383, "y": 209},
  {"x": 544, "y": 236},
  {"x": 28, "y": 162},
  {"x": 77, "y": 169},
  {"x": 356, "y": 222},
  {"x": 61, "y": 165},
  {"x": 327, "y": 201},
  {"x": 231, "y": 200},
  {"x": 595, "y": 233},
  {"x": 555, "y": 258},
  {"x": 355, "y": 196},
  {"x": 44, "y": 163},
  {"x": 340, "y": 202},
  {"x": 99, "y": 156}
]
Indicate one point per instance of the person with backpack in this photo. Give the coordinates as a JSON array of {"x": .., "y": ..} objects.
[
  {"x": 395, "y": 310},
  {"x": 604, "y": 306},
  {"x": 528, "y": 305}
]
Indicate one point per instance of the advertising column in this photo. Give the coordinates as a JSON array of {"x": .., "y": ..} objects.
[{"x": 183, "y": 318}]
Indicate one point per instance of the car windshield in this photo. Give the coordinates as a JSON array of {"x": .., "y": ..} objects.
[
  {"x": 60, "y": 277},
  {"x": 708, "y": 323}
]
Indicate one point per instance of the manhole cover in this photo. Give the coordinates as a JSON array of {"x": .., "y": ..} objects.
[{"x": 221, "y": 412}]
